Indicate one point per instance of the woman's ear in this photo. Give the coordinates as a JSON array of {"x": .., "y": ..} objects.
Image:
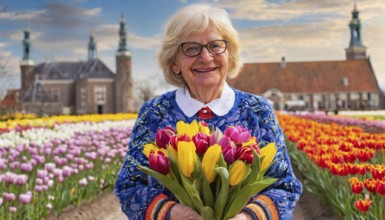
[{"x": 175, "y": 68}]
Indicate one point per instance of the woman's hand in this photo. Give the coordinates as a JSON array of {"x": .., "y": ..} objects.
[
  {"x": 183, "y": 212},
  {"x": 242, "y": 216}
]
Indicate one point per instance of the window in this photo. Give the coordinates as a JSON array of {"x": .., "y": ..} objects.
[
  {"x": 55, "y": 94},
  {"x": 100, "y": 95},
  {"x": 345, "y": 81},
  {"x": 83, "y": 98}
]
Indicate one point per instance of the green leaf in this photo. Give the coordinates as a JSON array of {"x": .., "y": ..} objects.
[
  {"x": 244, "y": 195},
  {"x": 207, "y": 194},
  {"x": 223, "y": 194},
  {"x": 179, "y": 192},
  {"x": 207, "y": 213},
  {"x": 191, "y": 189},
  {"x": 174, "y": 168}
]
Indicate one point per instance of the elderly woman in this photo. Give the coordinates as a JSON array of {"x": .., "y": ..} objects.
[{"x": 199, "y": 51}]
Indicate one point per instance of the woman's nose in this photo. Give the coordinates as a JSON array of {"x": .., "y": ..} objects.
[{"x": 205, "y": 54}]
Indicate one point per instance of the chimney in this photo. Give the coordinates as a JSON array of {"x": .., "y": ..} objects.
[{"x": 283, "y": 62}]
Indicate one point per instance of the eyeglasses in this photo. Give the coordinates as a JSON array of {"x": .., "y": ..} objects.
[{"x": 193, "y": 49}]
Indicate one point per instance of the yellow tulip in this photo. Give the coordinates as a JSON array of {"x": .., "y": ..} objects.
[
  {"x": 204, "y": 129},
  {"x": 188, "y": 129},
  {"x": 186, "y": 157},
  {"x": 253, "y": 140},
  {"x": 268, "y": 152},
  {"x": 210, "y": 160},
  {"x": 152, "y": 147},
  {"x": 238, "y": 172}
]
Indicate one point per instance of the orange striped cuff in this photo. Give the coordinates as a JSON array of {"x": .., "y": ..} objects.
[
  {"x": 268, "y": 206},
  {"x": 255, "y": 211},
  {"x": 159, "y": 208}
]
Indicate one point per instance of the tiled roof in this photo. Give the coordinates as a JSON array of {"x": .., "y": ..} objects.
[
  {"x": 10, "y": 99},
  {"x": 307, "y": 77},
  {"x": 93, "y": 68},
  {"x": 37, "y": 93}
]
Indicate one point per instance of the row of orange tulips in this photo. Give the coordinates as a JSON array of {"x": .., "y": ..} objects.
[{"x": 331, "y": 155}]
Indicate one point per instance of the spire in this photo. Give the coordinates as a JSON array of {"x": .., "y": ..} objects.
[
  {"x": 92, "y": 53},
  {"x": 26, "y": 45},
  {"x": 123, "y": 49},
  {"x": 356, "y": 48},
  {"x": 355, "y": 28}
]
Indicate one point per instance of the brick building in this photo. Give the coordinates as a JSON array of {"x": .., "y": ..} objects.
[
  {"x": 317, "y": 85},
  {"x": 84, "y": 87}
]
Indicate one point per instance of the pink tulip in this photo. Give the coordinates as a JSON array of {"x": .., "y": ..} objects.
[
  {"x": 163, "y": 136},
  {"x": 9, "y": 196},
  {"x": 41, "y": 173},
  {"x": 238, "y": 134},
  {"x": 49, "y": 206},
  {"x": 49, "y": 166},
  {"x": 13, "y": 209},
  {"x": 25, "y": 198},
  {"x": 26, "y": 167},
  {"x": 3, "y": 164},
  {"x": 14, "y": 165},
  {"x": 83, "y": 182},
  {"x": 39, "y": 181},
  {"x": 67, "y": 171},
  {"x": 9, "y": 177},
  {"x": 201, "y": 142},
  {"x": 159, "y": 162},
  {"x": 21, "y": 179},
  {"x": 1, "y": 201},
  {"x": 215, "y": 137}
]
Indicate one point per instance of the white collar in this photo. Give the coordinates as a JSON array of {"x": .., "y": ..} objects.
[{"x": 191, "y": 106}]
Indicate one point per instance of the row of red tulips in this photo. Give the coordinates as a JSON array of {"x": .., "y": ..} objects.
[{"x": 330, "y": 155}]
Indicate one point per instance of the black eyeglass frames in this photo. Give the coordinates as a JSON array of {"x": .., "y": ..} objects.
[{"x": 193, "y": 49}]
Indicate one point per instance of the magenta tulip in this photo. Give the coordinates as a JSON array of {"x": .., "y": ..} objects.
[
  {"x": 159, "y": 162},
  {"x": 163, "y": 136},
  {"x": 201, "y": 142},
  {"x": 245, "y": 154}
]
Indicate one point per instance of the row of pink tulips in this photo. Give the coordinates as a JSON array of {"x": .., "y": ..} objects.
[{"x": 37, "y": 179}]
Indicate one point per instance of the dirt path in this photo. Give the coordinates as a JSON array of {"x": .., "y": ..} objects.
[{"x": 106, "y": 207}]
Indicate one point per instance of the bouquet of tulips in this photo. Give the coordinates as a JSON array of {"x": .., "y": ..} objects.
[{"x": 216, "y": 173}]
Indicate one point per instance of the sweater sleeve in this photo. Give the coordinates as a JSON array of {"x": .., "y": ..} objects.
[
  {"x": 141, "y": 196},
  {"x": 278, "y": 200}
]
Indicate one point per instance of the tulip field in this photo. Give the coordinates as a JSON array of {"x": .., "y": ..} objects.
[
  {"x": 48, "y": 164},
  {"x": 342, "y": 160}
]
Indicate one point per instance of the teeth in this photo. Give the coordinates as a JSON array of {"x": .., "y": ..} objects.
[{"x": 205, "y": 70}]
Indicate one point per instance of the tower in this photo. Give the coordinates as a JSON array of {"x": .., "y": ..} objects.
[
  {"x": 92, "y": 52},
  {"x": 356, "y": 49},
  {"x": 27, "y": 65},
  {"x": 123, "y": 81}
]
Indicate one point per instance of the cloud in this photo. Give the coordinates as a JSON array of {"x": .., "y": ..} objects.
[
  {"x": 21, "y": 15},
  {"x": 67, "y": 16},
  {"x": 107, "y": 38},
  {"x": 56, "y": 15}
]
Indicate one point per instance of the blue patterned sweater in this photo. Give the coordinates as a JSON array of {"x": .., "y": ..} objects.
[{"x": 136, "y": 190}]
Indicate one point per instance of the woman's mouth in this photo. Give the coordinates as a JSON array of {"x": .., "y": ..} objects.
[{"x": 205, "y": 70}]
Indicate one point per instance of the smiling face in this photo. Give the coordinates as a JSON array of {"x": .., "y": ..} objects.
[{"x": 205, "y": 71}]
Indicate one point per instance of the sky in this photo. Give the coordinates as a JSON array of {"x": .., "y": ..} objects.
[{"x": 299, "y": 30}]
